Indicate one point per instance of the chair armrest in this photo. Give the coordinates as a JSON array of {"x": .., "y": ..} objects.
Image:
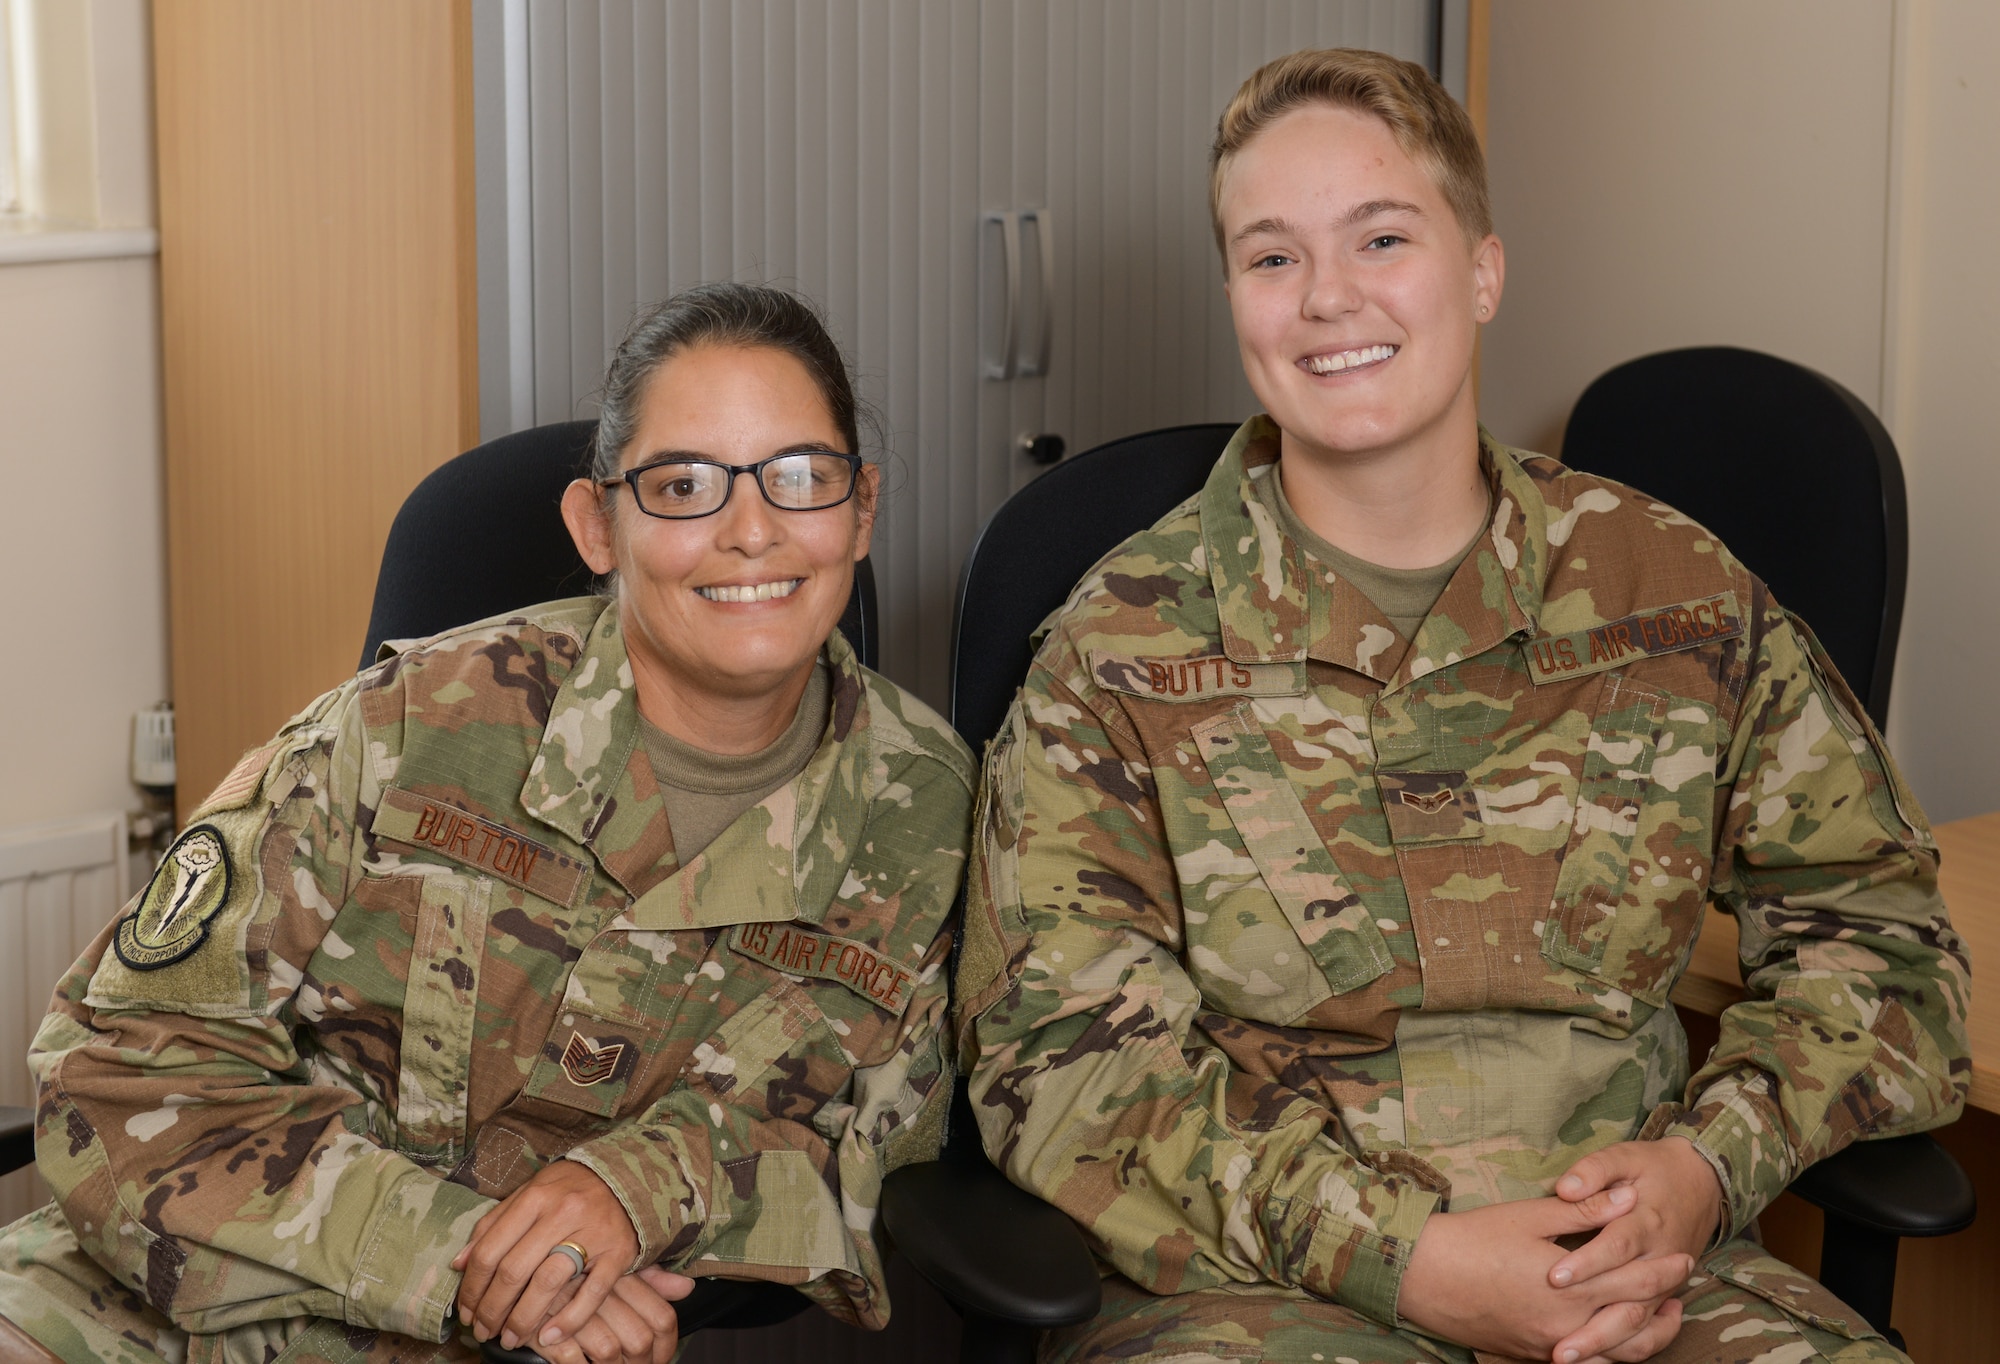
[
  {"x": 993, "y": 1249},
  {"x": 17, "y": 1139},
  {"x": 1903, "y": 1186}
]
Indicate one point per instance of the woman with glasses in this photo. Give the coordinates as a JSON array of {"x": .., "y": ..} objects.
[{"x": 554, "y": 954}]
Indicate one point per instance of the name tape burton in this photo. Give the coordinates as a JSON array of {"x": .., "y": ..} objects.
[
  {"x": 1688, "y": 625},
  {"x": 406, "y": 817},
  {"x": 788, "y": 948}
]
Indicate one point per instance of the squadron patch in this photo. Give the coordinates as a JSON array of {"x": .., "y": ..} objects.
[{"x": 188, "y": 889}]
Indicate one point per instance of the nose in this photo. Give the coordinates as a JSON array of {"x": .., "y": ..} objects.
[
  {"x": 1331, "y": 291},
  {"x": 747, "y": 522}
]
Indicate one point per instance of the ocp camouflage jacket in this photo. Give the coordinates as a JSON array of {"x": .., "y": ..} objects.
[
  {"x": 454, "y": 944},
  {"x": 1282, "y": 935}
]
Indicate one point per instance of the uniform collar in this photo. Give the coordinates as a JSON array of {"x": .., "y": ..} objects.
[
  {"x": 1274, "y": 607},
  {"x": 785, "y": 859}
]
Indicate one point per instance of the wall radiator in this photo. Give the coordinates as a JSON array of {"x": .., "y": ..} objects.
[{"x": 59, "y": 884}]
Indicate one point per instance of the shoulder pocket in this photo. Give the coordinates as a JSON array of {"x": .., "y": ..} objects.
[{"x": 1243, "y": 961}]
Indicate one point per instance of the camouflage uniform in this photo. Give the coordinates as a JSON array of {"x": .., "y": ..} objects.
[
  {"x": 1282, "y": 936},
  {"x": 442, "y": 940}
]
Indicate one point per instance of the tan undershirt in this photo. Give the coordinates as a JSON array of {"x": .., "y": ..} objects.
[
  {"x": 704, "y": 792},
  {"x": 1404, "y": 595}
]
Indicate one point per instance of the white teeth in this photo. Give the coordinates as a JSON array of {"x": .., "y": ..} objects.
[
  {"x": 761, "y": 592},
  {"x": 1348, "y": 359}
]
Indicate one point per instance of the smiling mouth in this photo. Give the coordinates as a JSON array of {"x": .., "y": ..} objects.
[
  {"x": 733, "y": 592},
  {"x": 1348, "y": 359}
]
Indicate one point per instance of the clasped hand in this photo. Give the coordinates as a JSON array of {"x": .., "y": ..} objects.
[
  {"x": 1495, "y": 1279},
  {"x": 515, "y": 1286}
]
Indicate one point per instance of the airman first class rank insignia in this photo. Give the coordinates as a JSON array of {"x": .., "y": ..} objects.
[
  {"x": 788, "y": 948},
  {"x": 1663, "y": 630},
  {"x": 188, "y": 888}
]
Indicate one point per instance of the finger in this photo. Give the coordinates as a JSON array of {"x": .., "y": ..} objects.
[
  {"x": 1608, "y": 1328},
  {"x": 635, "y": 1337},
  {"x": 1618, "y": 1243},
  {"x": 600, "y": 1344},
  {"x": 525, "y": 1272},
  {"x": 1598, "y": 1170},
  {"x": 590, "y": 1295},
  {"x": 658, "y": 1314},
  {"x": 549, "y": 1280},
  {"x": 669, "y": 1285},
  {"x": 485, "y": 1254},
  {"x": 1558, "y": 1218},
  {"x": 1658, "y": 1333},
  {"x": 1654, "y": 1337},
  {"x": 478, "y": 1230},
  {"x": 1645, "y": 1280},
  {"x": 637, "y": 1294}
]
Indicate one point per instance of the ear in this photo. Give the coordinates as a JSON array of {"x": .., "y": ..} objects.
[
  {"x": 589, "y": 522},
  {"x": 867, "y": 492},
  {"x": 1489, "y": 274}
]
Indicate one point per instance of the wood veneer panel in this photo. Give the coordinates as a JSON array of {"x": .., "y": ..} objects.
[{"x": 317, "y": 299}]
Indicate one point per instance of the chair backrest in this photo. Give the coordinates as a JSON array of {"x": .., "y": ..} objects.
[
  {"x": 483, "y": 534},
  {"x": 1043, "y": 540},
  {"x": 1788, "y": 468}
]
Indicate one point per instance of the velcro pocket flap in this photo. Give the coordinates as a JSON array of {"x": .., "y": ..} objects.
[{"x": 1325, "y": 913}]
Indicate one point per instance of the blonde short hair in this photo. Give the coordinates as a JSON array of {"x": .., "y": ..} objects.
[{"x": 1428, "y": 124}]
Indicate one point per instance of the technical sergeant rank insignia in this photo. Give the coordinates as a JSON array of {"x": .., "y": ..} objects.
[
  {"x": 587, "y": 1064},
  {"x": 188, "y": 888}
]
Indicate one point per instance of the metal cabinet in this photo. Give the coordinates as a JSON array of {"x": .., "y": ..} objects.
[{"x": 889, "y": 158}]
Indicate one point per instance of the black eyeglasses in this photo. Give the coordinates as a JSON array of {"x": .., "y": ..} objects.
[{"x": 797, "y": 480}]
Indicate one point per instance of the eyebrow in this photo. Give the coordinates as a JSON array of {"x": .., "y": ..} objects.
[
  {"x": 677, "y": 456},
  {"x": 1371, "y": 208}
]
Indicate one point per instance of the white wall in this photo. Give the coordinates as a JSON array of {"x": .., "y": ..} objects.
[
  {"x": 82, "y": 540},
  {"x": 1943, "y": 373},
  {"x": 1807, "y": 177}
]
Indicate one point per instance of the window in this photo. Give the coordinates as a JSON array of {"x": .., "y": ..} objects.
[{"x": 10, "y": 194}]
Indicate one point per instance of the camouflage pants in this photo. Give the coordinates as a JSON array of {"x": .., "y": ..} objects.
[{"x": 1763, "y": 1312}]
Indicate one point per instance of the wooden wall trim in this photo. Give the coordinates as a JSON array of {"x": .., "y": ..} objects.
[{"x": 318, "y": 316}]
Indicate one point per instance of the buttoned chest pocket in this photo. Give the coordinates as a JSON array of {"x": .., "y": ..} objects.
[
  {"x": 1272, "y": 926},
  {"x": 611, "y": 1047},
  {"x": 1629, "y": 896}
]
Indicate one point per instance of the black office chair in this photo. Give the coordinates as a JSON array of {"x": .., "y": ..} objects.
[
  {"x": 1029, "y": 1270},
  {"x": 1800, "y": 480},
  {"x": 483, "y": 534}
]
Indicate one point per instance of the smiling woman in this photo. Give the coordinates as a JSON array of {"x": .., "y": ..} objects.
[
  {"x": 725, "y": 598},
  {"x": 560, "y": 954},
  {"x": 1331, "y": 994}
]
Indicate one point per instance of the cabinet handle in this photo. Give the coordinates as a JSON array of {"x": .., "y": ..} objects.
[
  {"x": 1045, "y": 243},
  {"x": 1010, "y": 306}
]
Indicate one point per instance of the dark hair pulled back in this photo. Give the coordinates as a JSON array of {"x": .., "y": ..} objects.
[{"x": 721, "y": 315}]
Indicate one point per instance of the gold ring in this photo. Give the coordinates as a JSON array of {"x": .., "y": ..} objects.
[{"x": 575, "y": 1254}]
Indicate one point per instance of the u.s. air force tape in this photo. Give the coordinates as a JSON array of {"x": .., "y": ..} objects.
[
  {"x": 789, "y": 948},
  {"x": 188, "y": 889},
  {"x": 1644, "y": 634}
]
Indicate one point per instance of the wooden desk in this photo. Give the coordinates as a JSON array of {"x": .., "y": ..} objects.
[{"x": 1969, "y": 874}]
